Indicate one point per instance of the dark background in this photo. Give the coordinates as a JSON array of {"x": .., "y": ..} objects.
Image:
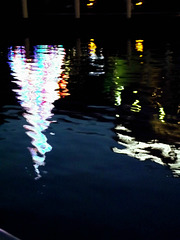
[{"x": 13, "y": 9}]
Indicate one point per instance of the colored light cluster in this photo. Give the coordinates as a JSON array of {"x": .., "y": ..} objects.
[{"x": 40, "y": 82}]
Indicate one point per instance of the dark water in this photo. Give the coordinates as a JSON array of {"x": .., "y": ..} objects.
[{"x": 90, "y": 139}]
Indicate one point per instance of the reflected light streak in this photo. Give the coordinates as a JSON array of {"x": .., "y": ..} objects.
[
  {"x": 152, "y": 150},
  {"x": 40, "y": 82},
  {"x": 139, "y": 3},
  {"x": 139, "y": 46},
  {"x": 117, "y": 93},
  {"x": 91, "y": 3},
  {"x": 92, "y": 48},
  {"x": 162, "y": 114},
  {"x": 96, "y": 61},
  {"x": 136, "y": 107}
]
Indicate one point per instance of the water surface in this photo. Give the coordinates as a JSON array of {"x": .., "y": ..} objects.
[{"x": 89, "y": 139}]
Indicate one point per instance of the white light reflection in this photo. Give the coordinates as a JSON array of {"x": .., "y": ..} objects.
[
  {"x": 96, "y": 61},
  {"x": 39, "y": 80},
  {"x": 117, "y": 93},
  {"x": 153, "y": 150}
]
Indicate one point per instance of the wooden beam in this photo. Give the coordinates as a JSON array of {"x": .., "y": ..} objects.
[
  {"x": 77, "y": 8},
  {"x": 129, "y": 8},
  {"x": 24, "y": 9}
]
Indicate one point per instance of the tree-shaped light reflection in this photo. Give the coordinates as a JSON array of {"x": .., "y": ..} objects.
[{"x": 40, "y": 81}]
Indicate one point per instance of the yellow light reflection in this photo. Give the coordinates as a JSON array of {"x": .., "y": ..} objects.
[
  {"x": 135, "y": 91},
  {"x": 92, "y": 48},
  {"x": 139, "y": 46},
  {"x": 91, "y": 3},
  {"x": 139, "y": 3},
  {"x": 40, "y": 81},
  {"x": 162, "y": 114},
  {"x": 136, "y": 107}
]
